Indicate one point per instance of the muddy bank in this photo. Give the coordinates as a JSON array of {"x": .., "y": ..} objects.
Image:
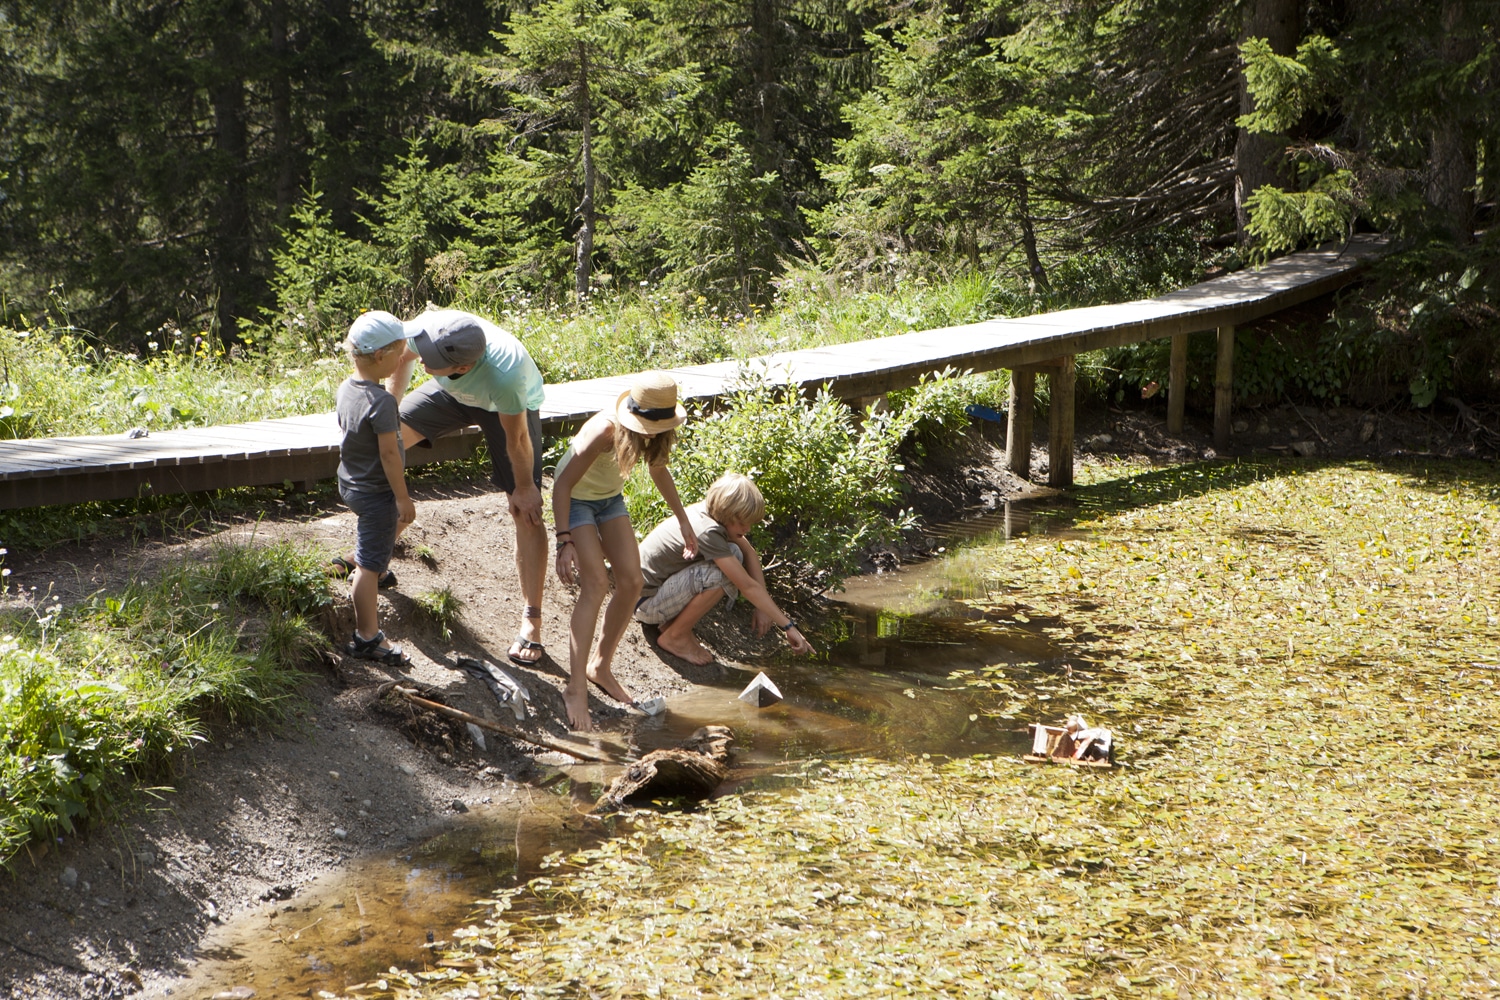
[{"x": 257, "y": 814}]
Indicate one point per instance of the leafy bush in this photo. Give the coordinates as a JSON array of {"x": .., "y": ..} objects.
[
  {"x": 67, "y": 738},
  {"x": 831, "y": 479}
]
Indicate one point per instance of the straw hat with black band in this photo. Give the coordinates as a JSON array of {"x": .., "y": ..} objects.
[{"x": 650, "y": 406}]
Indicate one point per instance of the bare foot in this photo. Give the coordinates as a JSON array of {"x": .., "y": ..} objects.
[
  {"x": 688, "y": 648},
  {"x": 602, "y": 676},
  {"x": 576, "y": 698}
]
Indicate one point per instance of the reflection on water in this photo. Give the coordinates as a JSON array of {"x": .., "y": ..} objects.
[
  {"x": 881, "y": 689},
  {"x": 383, "y": 911}
]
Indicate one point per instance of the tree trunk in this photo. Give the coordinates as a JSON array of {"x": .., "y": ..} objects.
[
  {"x": 1452, "y": 161},
  {"x": 281, "y": 113},
  {"x": 1039, "y": 281},
  {"x": 1280, "y": 23},
  {"x": 763, "y": 19},
  {"x": 231, "y": 236},
  {"x": 583, "y": 262}
]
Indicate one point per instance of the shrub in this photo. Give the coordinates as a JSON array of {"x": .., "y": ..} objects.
[{"x": 831, "y": 480}]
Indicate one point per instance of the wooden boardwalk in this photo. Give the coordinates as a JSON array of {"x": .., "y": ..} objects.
[{"x": 301, "y": 450}]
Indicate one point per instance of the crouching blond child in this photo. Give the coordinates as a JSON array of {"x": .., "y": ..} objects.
[
  {"x": 372, "y": 479},
  {"x": 679, "y": 590}
]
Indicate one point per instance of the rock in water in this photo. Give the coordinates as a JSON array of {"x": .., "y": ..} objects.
[
  {"x": 761, "y": 692},
  {"x": 691, "y": 770}
]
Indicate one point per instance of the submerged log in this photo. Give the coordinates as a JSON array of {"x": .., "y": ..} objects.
[{"x": 690, "y": 770}]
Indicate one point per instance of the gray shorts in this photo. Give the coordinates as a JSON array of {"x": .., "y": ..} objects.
[
  {"x": 375, "y": 536},
  {"x": 432, "y": 412},
  {"x": 681, "y": 587}
]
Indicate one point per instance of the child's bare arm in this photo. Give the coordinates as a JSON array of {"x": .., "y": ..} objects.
[
  {"x": 401, "y": 377},
  {"x": 667, "y": 486},
  {"x": 754, "y": 590},
  {"x": 395, "y": 474}
]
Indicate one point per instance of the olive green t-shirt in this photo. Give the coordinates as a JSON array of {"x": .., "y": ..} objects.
[{"x": 661, "y": 552}]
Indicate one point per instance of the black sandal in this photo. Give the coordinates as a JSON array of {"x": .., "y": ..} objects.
[
  {"x": 524, "y": 644},
  {"x": 519, "y": 645},
  {"x": 371, "y": 649}
]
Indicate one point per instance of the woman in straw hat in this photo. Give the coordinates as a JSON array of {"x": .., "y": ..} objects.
[{"x": 593, "y": 525}]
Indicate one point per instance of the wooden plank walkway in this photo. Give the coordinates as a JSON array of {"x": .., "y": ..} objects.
[{"x": 300, "y": 450}]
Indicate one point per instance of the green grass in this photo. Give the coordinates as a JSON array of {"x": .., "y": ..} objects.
[
  {"x": 98, "y": 698},
  {"x": 59, "y": 382},
  {"x": 441, "y": 608},
  {"x": 56, "y": 384}
]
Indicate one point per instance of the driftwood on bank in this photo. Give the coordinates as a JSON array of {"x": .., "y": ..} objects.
[
  {"x": 691, "y": 770},
  {"x": 571, "y": 749}
]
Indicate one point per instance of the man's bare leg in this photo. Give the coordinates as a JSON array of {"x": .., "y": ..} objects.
[
  {"x": 677, "y": 637},
  {"x": 531, "y": 567}
]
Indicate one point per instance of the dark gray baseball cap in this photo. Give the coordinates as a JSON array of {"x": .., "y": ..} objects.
[{"x": 460, "y": 342}]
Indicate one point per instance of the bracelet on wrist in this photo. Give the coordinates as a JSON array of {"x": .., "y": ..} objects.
[
  {"x": 559, "y": 534},
  {"x": 788, "y": 626}
]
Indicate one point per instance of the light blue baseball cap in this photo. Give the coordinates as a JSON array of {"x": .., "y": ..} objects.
[{"x": 374, "y": 330}]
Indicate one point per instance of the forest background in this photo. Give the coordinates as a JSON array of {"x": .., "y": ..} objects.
[{"x": 244, "y": 176}]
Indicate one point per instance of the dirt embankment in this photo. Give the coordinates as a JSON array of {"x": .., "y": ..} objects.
[{"x": 257, "y": 813}]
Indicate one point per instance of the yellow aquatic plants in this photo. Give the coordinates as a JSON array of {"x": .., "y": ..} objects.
[{"x": 1301, "y": 668}]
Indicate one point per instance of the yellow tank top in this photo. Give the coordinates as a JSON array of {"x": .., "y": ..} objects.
[{"x": 599, "y": 481}]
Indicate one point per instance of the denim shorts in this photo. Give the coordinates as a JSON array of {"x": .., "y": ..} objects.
[
  {"x": 596, "y": 512},
  {"x": 375, "y": 538}
]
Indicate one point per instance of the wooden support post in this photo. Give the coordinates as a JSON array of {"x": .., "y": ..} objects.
[
  {"x": 1223, "y": 387},
  {"x": 1060, "y": 426},
  {"x": 1018, "y": 422},
  {"x": 1177, "y": 383}
]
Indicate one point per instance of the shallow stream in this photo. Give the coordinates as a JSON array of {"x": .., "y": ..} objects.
[{"x": 880, "y": 689}]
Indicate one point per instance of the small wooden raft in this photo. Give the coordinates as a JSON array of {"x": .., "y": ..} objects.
[
  {"x": 1073, "y": 742},
  {"x": 691, "y": 770}
]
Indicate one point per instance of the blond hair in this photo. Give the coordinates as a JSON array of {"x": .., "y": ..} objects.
[
  {"x": 735, "y": 498},
  {"x": 631, "y": 446},
  {"x": 356, "y": 355}
]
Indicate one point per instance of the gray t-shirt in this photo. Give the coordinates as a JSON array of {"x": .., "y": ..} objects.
[
  {"x": 661, "y": 552},
  {"x": 365, "y": 410}
]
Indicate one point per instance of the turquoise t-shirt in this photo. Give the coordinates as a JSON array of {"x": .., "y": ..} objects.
[{"x": 505, "y": 380}]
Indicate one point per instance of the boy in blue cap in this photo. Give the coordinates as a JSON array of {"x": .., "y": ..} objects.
[{"x": 372, "y": 478}]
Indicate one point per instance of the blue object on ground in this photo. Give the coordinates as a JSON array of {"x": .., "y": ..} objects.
[{"x": 985, "y": 413}]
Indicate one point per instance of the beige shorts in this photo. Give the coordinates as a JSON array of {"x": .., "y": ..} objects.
[{"x": 681, "y": 587}]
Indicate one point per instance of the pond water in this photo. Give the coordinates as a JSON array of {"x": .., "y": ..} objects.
[{"x": 881, "y": 689}]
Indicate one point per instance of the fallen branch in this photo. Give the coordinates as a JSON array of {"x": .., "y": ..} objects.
[{"x": 571, "y": 749}]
